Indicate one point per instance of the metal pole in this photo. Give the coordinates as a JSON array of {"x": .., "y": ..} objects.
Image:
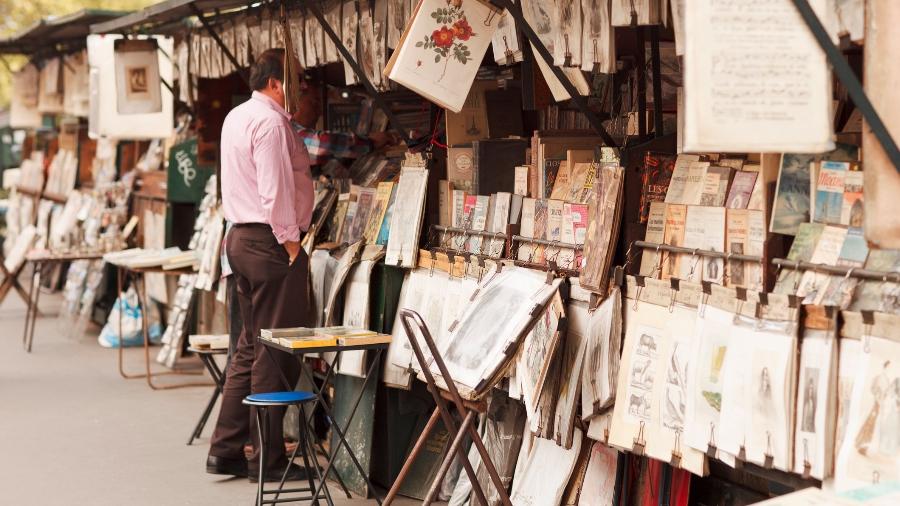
[
  {"x": 640, "y": 61},
  {"x": 536, "y": 43},
  {"x": 212, "y": 33},
  {"x": 360, "y": 74},
  {"x": 848, "y": 78},
  {"x": 657, "y": 82}
]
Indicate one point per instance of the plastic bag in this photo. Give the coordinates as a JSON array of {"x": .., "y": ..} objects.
[{"x": 128, "y": 307}]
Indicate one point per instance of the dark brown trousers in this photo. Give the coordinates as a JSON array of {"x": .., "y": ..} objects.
[{"x": 271, "y": 294}]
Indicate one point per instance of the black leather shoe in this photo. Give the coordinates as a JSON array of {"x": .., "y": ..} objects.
[
  {"x": 295, "y": 473},
  {"x": 230, "y": 467}
]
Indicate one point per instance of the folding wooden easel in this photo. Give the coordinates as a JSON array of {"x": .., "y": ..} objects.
[{"x": 467, "y": 410}]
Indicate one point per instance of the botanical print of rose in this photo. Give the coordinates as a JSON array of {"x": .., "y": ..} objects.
[{"x": 448, "y": 40}]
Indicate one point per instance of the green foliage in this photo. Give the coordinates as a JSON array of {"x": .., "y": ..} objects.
[{"x": 19, "y": 15}]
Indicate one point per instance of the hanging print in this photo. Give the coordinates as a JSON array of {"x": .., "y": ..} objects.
[{"x": 442, "y": 48}]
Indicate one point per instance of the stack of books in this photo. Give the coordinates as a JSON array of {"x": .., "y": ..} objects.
[{"x": 324, "y": 337}]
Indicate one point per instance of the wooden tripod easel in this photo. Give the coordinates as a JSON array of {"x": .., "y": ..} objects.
[{"x": 467, "y": 410}]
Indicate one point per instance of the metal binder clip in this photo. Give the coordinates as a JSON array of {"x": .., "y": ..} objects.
[
  {"x": 507, "y": 52},
  {"x": 639, "y": 281},
  {"x": 769, "y": 460},
  {"x": 868, "y": 318},
  {"x": 638, "y": 444},
  {"x": 675, "y": 461},
  {"x": 433, "y": 261},
  {"x": 567, "y": 55},
  {"x": 807, "y": 467},
  {"x": 711, "y": 449},
  {"x": 741, "y": 457}
]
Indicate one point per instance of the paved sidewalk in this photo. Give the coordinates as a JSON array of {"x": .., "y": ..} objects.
[{"x": 73, "y": 432}]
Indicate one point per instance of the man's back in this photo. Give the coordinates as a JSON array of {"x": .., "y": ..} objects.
[{"x": 265, "y": 169}]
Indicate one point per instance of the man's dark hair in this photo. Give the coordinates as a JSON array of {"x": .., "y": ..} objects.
[{"x": 269, "y": 64}]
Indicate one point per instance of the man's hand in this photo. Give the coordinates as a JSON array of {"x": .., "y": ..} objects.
[{"x": 293, "y": 249}]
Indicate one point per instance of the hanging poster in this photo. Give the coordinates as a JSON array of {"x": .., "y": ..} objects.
[
  {"x": 442, "y": 49},
  {"x": 105, "y": 119},
  {"x": 755, "y": 79}
]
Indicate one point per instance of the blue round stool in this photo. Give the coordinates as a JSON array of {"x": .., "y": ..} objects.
[{"x": 262, "y": 402}]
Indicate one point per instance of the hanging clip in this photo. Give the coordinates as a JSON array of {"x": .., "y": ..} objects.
[
  {"x": 638, "y": 444},
  {"x": 490, "y": 18},
  {"x": 769, "y": 459},
  {"x": 868, "y": 318},
  {"x": 807, "y": 467},
  {"x": 639, "y": 281},
  {"x": 675, "y": 460},
  {"x": 711, "y": 449},
  {"x": 433, "y": 261}
]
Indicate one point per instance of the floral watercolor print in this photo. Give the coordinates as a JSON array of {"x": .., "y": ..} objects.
[
  {"x": 443, "y": 48},
  {"x": 449, "y": 41}
]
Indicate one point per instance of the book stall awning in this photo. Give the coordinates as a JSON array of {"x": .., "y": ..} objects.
[
  {"x": 165, "y": 17},
  {"x": 69, "y": 30}
]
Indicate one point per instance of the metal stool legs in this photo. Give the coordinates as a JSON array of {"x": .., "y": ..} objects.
[
  {"x": 262, "y": 426},
  {"x": 305, "y": 446}
]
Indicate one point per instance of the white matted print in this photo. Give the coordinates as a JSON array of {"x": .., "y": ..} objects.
[
  {"x": 442, "y": 49},
  {"x": 871, "y": 445},
  {"x": 138, "y": 86}
]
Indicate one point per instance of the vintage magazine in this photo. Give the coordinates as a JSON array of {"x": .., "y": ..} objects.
[
  {"x": 704, "y": 229},
  {"x": 792, "y": 193},
  {"x": 656, "y": 226}
]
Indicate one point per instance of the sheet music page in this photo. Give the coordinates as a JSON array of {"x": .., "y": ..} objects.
[{"x": 755, "y": 79}]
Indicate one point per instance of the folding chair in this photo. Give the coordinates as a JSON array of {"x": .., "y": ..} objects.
[{"x": 468, "y": 411}]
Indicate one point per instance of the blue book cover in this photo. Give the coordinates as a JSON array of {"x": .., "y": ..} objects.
[{"x": 830, "y": 192}]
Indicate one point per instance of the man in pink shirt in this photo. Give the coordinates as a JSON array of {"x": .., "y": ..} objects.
[{"x": 267, "y": 194}]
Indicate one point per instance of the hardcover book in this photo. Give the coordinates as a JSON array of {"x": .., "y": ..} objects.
[{"x": 603, "y": 229}]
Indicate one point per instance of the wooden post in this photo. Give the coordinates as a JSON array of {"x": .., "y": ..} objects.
[{"x": 882, "y": 181}]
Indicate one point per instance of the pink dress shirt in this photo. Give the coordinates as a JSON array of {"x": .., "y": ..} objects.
[{"x": 265, "y": 169}]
